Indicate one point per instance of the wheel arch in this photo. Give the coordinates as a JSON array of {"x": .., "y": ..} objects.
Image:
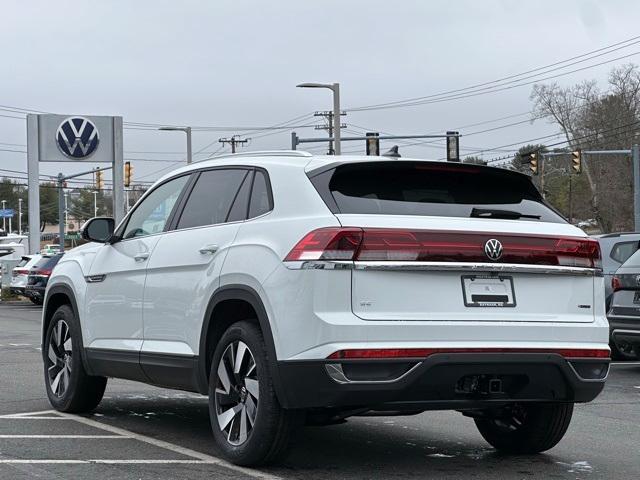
[{"x": 242, "y": 293}]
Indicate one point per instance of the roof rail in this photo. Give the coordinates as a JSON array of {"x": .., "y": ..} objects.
[{"x": 263, "y": 153}]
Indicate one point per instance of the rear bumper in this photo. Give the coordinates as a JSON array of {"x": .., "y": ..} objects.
[
  {"x": 34, "y": 292},
  {"x": 625, "y": 330},
  {"x": 442, "y": 381}
]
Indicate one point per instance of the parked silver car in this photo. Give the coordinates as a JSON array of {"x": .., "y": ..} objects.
[
  {"x": 616, "y": 248},
  {"x": 624, "y": 310}
]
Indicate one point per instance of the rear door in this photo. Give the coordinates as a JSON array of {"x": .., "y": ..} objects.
[
  {"x": 447, "y": 242},
  {"x": 185, "y": 266}
]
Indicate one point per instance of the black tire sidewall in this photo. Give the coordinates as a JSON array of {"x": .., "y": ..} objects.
[
  {"x": 64, "y": 403},
  {"x": 258, "y": 442}
]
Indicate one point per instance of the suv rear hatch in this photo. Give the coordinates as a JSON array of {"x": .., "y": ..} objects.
[{"x": 435, "y": 241}]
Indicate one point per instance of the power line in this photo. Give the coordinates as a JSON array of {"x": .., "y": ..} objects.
[{"x": 478, "y": 87}]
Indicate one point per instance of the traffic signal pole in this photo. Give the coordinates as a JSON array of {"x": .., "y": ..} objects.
[
  {"x": 61, "y": 179},
  {"x": 635, "y": 161}
]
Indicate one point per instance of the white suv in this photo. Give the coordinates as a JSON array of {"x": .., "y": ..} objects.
[{"x": 287, "y": 286}]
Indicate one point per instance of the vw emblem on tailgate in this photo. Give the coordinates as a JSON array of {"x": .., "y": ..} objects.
[
  {"x": 77, "y": 137},
  {"x": 493, "y": 249}
]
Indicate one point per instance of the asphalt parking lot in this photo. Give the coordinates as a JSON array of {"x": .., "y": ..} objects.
[{"x": 150, "y": 433}]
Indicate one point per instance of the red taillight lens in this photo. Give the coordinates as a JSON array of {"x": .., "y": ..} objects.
[
  {"x": 616, "y": 284},
  {"x": 327, "y": 244},
  {"x": 44, "y": 272},
  {"x": 372, "y": 244},
  {"x": 426, "y": 352}
]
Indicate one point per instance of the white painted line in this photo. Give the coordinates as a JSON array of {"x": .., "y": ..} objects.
[
  {"x": 31, "y": 415},
  {"x": 102, "y": 461},
  {"x": 173, "y": 448},
  {"x": 62, "y": 436},
  {"x": 10, "y": 417},
  {"x": 625, "y": 363}
]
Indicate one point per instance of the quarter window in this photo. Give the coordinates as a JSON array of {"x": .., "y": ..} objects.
[
  {"x": 260, "y": 196},
  {"x": 210, "y": 200},
  {"x": 152, "y": 214}
]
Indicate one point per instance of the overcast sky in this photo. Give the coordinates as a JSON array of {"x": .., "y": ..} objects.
[{"x": 236, "y": 63}]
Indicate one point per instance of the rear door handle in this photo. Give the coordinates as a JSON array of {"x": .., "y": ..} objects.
[
  {"x": 208, "y": 249},
  {"x": 141, "y": 256}
]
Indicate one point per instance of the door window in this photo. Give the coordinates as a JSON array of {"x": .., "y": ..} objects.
[
  {"x": 152, "y": 214},
  {"x": 210, "y": 200}
]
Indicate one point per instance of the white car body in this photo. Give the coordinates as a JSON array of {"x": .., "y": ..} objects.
[
  {"x": 20, "y": 273},
  {"x": 146, "y": 304}
]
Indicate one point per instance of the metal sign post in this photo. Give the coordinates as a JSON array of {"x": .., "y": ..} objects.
[{"x": 77, "y": 139}]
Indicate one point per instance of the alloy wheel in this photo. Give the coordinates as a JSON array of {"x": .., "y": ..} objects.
[
  {"x": 59, "y": 354},
  {"x": 237, "y": 393}
]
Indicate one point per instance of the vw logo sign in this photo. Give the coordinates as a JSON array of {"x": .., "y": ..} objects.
[
  {"x": 493, "y": 249},
  {"x": 77, "y": 137}
]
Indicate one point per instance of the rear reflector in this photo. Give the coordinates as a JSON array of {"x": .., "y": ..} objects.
[
  {"x": 374, "y": 244},
  {"x": 426, "y": 352}
]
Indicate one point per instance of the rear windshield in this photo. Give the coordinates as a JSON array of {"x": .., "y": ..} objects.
[
  {"x": 633, "y": 261},
  {"x": 440, "y": 189},
  {"x": 47, "y": 263}
]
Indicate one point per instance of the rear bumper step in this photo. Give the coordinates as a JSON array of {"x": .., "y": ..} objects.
[{"x": 457, "y": 381}]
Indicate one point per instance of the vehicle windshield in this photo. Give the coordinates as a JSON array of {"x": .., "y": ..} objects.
[{"x": 433, "y": 189}]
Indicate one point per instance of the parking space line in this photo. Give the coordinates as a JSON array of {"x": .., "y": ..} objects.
[
  {"x": 63, "y": 436},
  {"x": 198, "y": 457},
  {"x": 102, "y": 461},
  {"x": 31, "y": 415}
]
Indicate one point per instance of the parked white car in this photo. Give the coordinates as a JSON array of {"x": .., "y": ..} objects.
[
  {"x": 20, "y": 273},
  {"x": 285, "y": 285}
]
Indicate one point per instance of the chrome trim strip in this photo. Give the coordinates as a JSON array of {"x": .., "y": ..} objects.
[
  {"x": 444, "y": 267},
  {"x": 95, "y": 278},
  {"x": 334, "y": 370}
]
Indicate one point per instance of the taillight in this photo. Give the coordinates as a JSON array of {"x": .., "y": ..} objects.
[
  {"x": 375, "y": 244},
  {"x": 616, "y": 284},
  {"x": 327, "y": 244},
  {"x": 374, "y": 353},
  {"x": 44, "y": 272}
]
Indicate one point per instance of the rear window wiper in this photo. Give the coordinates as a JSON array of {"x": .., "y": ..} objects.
[{"x": 494, "y": 213}]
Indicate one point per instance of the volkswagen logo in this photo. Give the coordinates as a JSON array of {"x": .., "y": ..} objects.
[
  {"x": 77, "y": 137},
  {"x": 493, "y": 249}
]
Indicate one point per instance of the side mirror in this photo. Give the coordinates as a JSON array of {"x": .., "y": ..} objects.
[{"x": 98, "y": 229}]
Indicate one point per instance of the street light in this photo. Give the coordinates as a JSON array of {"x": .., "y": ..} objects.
[
  {"x": 335, "y": 88},
  {"x": 186, "y": 130}
]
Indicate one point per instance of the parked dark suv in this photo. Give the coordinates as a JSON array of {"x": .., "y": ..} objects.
[{"x": 39, "y": 277}]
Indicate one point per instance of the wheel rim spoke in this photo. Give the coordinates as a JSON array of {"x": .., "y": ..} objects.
[
  {"x": 252, "y": 387},
  {"x": 236, "y": 393}
]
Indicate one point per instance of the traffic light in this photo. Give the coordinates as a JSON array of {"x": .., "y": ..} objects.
[
  {"x": 576, "y": 161},
  {"x": 453, "y": 146},
  {"x": 128, "y": 173},
  {"x": 532, "y": 159},
  {"x": 99, "y": 180},
  {"x": 373, "y": 144}
]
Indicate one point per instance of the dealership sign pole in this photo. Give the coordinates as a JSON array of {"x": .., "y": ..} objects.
[{"x": 77, "y": 139}]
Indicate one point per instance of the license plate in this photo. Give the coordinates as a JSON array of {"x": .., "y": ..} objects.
[
  {"x": 636, "y": 297},
  {"x": 488, "y": 291}
]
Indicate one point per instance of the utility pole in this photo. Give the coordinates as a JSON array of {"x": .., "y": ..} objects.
[
  {"x": 66, "y": 211},
  {"x": 233, "y": 141},
  {"x": 329, "y": 126},
  {"x": 570, "y": 198},
  {"x": 335, "y": 88},
  {"x": 19, "y": 216},
  {"x": 95, "y": 203},
  {"x": 4, "y": 220}
]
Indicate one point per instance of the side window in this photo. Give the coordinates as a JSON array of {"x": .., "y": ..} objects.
[
  {"x": 241, "y": 203},
  {"x": 260, "y": 196},
  {"x": 152, "y": 214},
  {"x": 211, "y": 198},
  {"x": 623, "y": 250}
]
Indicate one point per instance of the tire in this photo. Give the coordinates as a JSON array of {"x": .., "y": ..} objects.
[
  {"x": 527, "y": 428},
  {"x": 69, "y": 387},
  {"x": 623, "y": 351},
  {"x": 36, "y": 300},
  {"x": 249, "y": 425}
]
